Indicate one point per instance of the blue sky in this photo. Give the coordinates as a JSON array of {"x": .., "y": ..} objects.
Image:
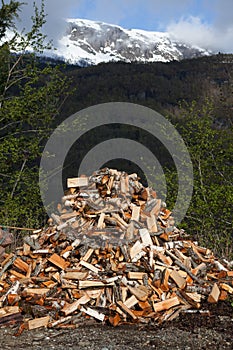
[
  {"x": 144, "y": 14},
  {"x": 206, "y": 23}
]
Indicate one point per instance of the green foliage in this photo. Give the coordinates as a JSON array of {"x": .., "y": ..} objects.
[
  {"x": 209, "y": 217},
  {"x": 8, "y": 13},
  {"x": 30, "y": 100}
]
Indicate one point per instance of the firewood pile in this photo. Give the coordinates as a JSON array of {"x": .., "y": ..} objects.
[{"x": 111, "y": 253}]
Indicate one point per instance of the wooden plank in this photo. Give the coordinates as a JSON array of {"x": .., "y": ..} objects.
[
  {"x": 126, "y": 309},
  {"x": 77, "y": 182},
  {"x": 9, "y": 310},
  {"x": 195, "y": 296},
  {"x": 141, "y": 292},
  {"x": 21, "y": 265},
  {"x": 166, "y": 304},
  {"x": 38, "y": 322},
  {"x": 31, "y": 242},
  {"x": 151, "y": 223},
  {"x": 178, "y": 279},
  {"x": 88, "y": 254},
  {"x": 230, "y": 273},
  {"x": 226, "y": 287},
  {"x": 56, "y": 277},
  {"x": 12, "y": 299},
  {"x": 223, "y": 295},
  {"x": 101, "y": 223},
  {"x": 156, "y": 209},
  {"x": 66, "y": 252},
  {"x": 26, "y": 249},
  {"x": 135, "y": 212},
  {"x": 58, "y": 261},
  {"x": 214, "y": 294},
  {"x": 131, "y": 301},
  {"x": 39, "y": 291},
  {"x": 76, "y": 243},
  {"x": 12, "y": 319},
  {"x": 90, "y": 266},
  {"x": 17, "y": 274},
  {"x": 94, "y": 293},
  {"x": 122, "y": 223},
  {"x": 91, "y": 283},
  {"x": 58, "y": 322},
  {"x": 130, "y": 231},
  {"x": 144, "y": 305},
  {"x": 49, "y": 284},
  {"x": 93, "y": 313},
  {"x": 138, "y": 256},
  {"x": 165, "y": 259},
  {"x": 190, "y": 299},
  {"x": 8, "y": 258},
  {"x": 13, "y": 290},
  {"x": 135, "y": 249},
  {"x": 124, "y": 293},
  {"x": 110, "y": 184},
  {"x": 136, "y": 275},
  {"x": 145, "y": 237},
  {"x": 41, "y": 251},
  {"x": 123, "y": 185},
  {"x": 75, "y": 275},
  {"x": 6, "y": 263},
  {"x": 164, "y": 281},
  {"x": 70, "y": 308}
]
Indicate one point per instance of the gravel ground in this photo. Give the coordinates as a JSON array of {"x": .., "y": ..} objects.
[{"x": 189, "y": 331}]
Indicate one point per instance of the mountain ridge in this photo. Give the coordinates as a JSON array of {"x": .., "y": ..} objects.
[{"x": 88, "y": 42}]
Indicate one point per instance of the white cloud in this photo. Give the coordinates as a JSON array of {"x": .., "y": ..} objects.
[
  {"x": 56, "y": 13},
  {"x": 193, "y": 30},
  {"x": 206, "y": 23}
]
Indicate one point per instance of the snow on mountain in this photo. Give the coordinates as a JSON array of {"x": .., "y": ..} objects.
[{"x": 89, "y": 42}]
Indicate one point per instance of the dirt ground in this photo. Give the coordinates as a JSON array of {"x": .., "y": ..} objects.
[{"x": 189, "y": 331}]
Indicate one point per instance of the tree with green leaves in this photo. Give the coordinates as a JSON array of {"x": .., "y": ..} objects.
[
  {"x": 31, "y": 96},
  {"x": 209, "y": 217}
]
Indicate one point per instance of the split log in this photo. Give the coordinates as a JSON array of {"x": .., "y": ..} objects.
[
  {"x": 75, "y": 275},
  {"x": 58, "y": 261},
  {"x": 90, "y": 266},
  {"x": 126, "y": 309},
  {"x": 38, "y": 322},
  {"x": 93, "y": 283},
  {"x": 71, "y": 308},
  {"x": 214, "y": 295},
  {"x": 77, "y": 182},
  {"x": 166, "y": 304},
  {"x": 178, "y": 279},
  {"x": 93, "y": 313}
]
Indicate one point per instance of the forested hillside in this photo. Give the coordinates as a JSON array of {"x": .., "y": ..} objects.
[{"x": 161, "y": 86}]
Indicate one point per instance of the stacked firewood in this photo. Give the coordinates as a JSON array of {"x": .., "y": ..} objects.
[{"x": 111, "y": 253}]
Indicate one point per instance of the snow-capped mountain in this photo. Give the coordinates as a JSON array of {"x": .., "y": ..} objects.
[{"x": 89, "y": 42}]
